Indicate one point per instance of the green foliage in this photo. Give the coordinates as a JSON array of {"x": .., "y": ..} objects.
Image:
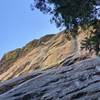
[
  {"x": 71, "y": 14},
  {"x": 86, "y": 44},
  {"x": 11, "y": 56},
  {"x": 66, "y": 12},
  {"x": 93, "y": 41}
]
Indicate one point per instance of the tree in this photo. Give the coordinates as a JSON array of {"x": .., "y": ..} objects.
[
  {"x": 93, "y": 41},
  {"x": 96, "y": 37},
  {"x": 68, "y": 13},
  {"x": 87, "y": 44}
]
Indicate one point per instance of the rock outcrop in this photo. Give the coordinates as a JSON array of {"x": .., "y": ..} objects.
[
  {"x": 49, "y": 69},
  {"x": 42, "y": 53},
  {"x": 79, "y": 81}
]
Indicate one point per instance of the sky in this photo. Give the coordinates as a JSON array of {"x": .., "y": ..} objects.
[{"x": 19, "y": 24}]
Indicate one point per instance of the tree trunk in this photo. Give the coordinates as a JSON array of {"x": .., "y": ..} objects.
[
  {"x": 74, "y": 44},
  {"x": 74, "y": 39}
]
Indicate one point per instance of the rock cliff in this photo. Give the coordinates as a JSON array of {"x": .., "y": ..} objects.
[
  {"x": 49, "y": 69},
  {"x": 42, "y": 53},
  {"x": 79, "y": 81}
]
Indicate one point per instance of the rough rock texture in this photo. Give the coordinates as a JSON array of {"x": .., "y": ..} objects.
[
  {"x": 42, "y": 53},
  {"x": 79, "y": 81}
]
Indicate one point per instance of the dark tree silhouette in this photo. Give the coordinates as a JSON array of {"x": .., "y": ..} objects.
[
  {"x": 93, "y": 42},
  {"x": 68, "y": 13}
]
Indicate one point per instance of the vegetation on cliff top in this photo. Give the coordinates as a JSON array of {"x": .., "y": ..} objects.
[{"x": 71, "y": 14}]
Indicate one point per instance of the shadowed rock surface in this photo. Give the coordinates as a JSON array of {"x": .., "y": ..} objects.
[
  {"x": 79, "y": 81},
  {"x": 49, "y": 69}
]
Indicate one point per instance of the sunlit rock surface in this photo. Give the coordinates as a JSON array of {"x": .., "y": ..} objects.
[
  {"x": 79, "y": 81},
  {"x": 42, "y": 53}
]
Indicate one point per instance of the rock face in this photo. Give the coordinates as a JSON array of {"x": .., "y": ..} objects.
[
  {"x": 49, "y": 69},
  {"x": 42, "y": 53},
  {"x": 79, "y": 81}
]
